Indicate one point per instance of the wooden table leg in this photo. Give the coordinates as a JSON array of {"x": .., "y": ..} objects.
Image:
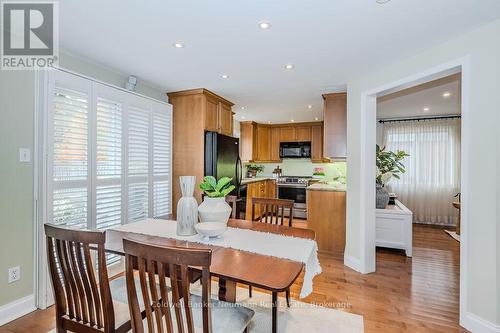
[
  {"x": 275, "y": 312},
  {"x": 227, "y": 290}
]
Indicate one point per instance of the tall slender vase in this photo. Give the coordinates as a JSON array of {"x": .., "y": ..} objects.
[{"x": 187, "y": 207}]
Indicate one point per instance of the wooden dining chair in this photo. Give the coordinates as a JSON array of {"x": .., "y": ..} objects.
[
  {"x": 232, "y": 201},
  {"x": 272, "y": 210},
  {"x": 83, "y": 303},
  {"x": 176, "y": 309}
]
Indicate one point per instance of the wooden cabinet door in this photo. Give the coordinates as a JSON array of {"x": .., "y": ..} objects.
[
  {"x": 211, "y": 115},
  {"x": 271, "y": 189},
  {"x": 317, "y": 144},
  {"x": 335, "y": 125},
  {"x": 287, "y": 134},
  {"x": 303, "y": 133},
  {"x": 225, "y": 119},
  {"x": 248, "y": 141},
  {"x": 275, "y": 144},
  {"x": 254, "y": 190},
  {"x": 263, "y": 143}
]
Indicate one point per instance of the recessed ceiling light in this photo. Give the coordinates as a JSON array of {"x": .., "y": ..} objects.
[
  {"x": 242, "y": 117},
  {"x": 447, "y": 94},
  {"x": 289, "y": 66},
  {"x": 224, "y": 76},
  {"x": 309, "y": 106},
  {"x": 243, "y": 108},
  {"x": 264, "y": 25},
  {"x": 426, "y": 109},
  {"x": 381, "y": 2},
  {"x": 268, "y": 122},
  {"x": 178, "y": 45},
  {"x": 292, "y": 120},
  {"x": 316, "y": 118}
]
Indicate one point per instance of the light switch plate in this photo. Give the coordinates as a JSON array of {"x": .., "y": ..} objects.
[{"x": 24, "y": 155}]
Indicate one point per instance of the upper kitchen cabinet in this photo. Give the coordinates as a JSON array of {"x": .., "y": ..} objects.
[
  {"x": 335, "y": 125},
  {"x": 303, "y": 133},
  {"x": 294, "y": 133},
  {"x": 259, "y": 143},
  {"x": 287, "y": 134},
  {"x": 317, "y": 144},
  {"x": 215, "y": 110},
  {"x": 194, "y": 112}
]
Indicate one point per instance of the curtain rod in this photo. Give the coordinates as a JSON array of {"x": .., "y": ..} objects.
[{"x": 418, "y": 119}]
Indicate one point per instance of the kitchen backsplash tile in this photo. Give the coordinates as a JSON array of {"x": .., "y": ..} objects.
[{"x": 304, "y": 167}]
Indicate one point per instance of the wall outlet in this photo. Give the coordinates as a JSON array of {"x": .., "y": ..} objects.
[{"x": 14, "y": 274}]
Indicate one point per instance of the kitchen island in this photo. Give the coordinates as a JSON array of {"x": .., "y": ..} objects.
[{"x": 326, "y": 215}]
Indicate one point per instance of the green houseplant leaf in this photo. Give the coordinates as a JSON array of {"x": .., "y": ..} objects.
[{"x": 216, "y": 189}]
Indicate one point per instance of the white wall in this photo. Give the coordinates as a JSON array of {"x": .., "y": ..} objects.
[{"x": 483, "y": 48}]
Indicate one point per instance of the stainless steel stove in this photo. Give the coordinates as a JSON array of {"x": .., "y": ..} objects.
[{"x": 294, "y": 188}]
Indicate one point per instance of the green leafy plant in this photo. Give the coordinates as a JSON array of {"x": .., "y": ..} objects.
[
  {"x": 255, "y": 167},
  {"x": 216, "y": 189},
  {"x": 389, "y": 164}
]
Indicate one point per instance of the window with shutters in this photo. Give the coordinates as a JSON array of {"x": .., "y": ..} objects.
[{"x": 108, "y": 155}]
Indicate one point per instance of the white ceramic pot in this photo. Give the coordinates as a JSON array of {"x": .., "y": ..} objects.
[{"x": 214, "y": 210}]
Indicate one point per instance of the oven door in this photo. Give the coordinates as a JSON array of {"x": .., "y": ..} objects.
[{"x": 298, "y": 195}]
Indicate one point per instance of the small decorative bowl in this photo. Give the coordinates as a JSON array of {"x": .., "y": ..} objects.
[{"x": 210, "y": 229}]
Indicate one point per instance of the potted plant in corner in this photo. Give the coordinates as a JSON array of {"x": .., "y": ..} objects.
[
  {"x": 214, "y": 207},
  {"x": 253, "y": 170},
  {"x": 388, "y": 165}
]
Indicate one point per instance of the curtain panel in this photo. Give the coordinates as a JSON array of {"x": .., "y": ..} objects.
[{"x": 432, "y": 177}]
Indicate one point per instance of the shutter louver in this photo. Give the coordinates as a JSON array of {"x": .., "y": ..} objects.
[{"x": 137, "y": 201}]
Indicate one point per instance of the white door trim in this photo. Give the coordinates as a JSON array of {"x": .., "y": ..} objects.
[{"x": 368, "y": 140}]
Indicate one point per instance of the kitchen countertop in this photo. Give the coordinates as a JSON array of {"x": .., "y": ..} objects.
[
  {"x": 255, "y": 179},
  {"x": 326, "y": 187}
]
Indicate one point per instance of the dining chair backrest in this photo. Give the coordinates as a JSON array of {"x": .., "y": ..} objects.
[
  {"x": 150, "y": 260},
  {"x": 272, "y": 210},
  {"x": 83, "y": 303},
  {"x": 231, "y": 200}
]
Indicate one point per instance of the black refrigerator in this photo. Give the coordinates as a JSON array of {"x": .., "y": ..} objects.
[{"x": 222, "y": 159}]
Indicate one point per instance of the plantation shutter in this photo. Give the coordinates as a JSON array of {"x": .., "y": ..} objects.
[
  {"x": 68, "y": 151},
  {"x": 162, "y": 163},
  {"x": 138, "y": 162}
]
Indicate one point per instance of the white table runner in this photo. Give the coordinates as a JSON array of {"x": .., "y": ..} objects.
[{"x": 280, "y": 246}]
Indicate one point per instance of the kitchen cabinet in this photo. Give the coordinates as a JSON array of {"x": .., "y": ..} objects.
[
  {"x": 275, "y": 144},
  {"x": 317, "y": 144},
  {"x": 326, "y": 215},
  {"x": 225, "y": 117},
  {"x": 259, "y": 143},
  {"x": 194, "y": 112},
  {"x": 303, "y": 133},
  {"x": 335, "y": 125},
  {"x": 287, "y": 134},
  {"x": 263, "y": 143},
  {"x": 259, "y": 189}
]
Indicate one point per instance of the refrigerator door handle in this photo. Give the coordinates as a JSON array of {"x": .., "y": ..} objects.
[{"x": 239, "y": 167}]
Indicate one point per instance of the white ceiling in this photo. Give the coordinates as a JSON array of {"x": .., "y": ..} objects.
[
  {"x": 411, "y": 102},
  {"x": 329, "y": 41}
]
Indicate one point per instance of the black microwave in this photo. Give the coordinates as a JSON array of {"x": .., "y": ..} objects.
[{"x": 295, "y": 150}]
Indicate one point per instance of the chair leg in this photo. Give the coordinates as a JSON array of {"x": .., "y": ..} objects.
[
  {"x": 249, "y": 291},
  {"x": 287, "y": 293},
  {"x": 246, "y": 330}
]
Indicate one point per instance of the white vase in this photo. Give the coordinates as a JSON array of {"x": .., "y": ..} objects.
[
  {"x": 187, "y": 207},
  {"x": 214, "y": 210}
]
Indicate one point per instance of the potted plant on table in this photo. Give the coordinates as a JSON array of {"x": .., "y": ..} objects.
[
  {"x": 389, "y": 164},
  {"x": 253, "y": 170},
  {"x": 214, "y": 207}
]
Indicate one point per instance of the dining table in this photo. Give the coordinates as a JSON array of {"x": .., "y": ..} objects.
[{"x": 233, "y": 266}]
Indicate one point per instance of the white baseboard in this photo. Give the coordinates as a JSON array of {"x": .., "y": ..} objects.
[
  {"x": 16, "y": 309},
  {"x": 476, "y": 324},
  {"x": 352, "y": 262}
]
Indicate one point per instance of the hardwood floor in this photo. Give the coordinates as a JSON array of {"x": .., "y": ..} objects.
[{"x": 418, "y": 294}]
